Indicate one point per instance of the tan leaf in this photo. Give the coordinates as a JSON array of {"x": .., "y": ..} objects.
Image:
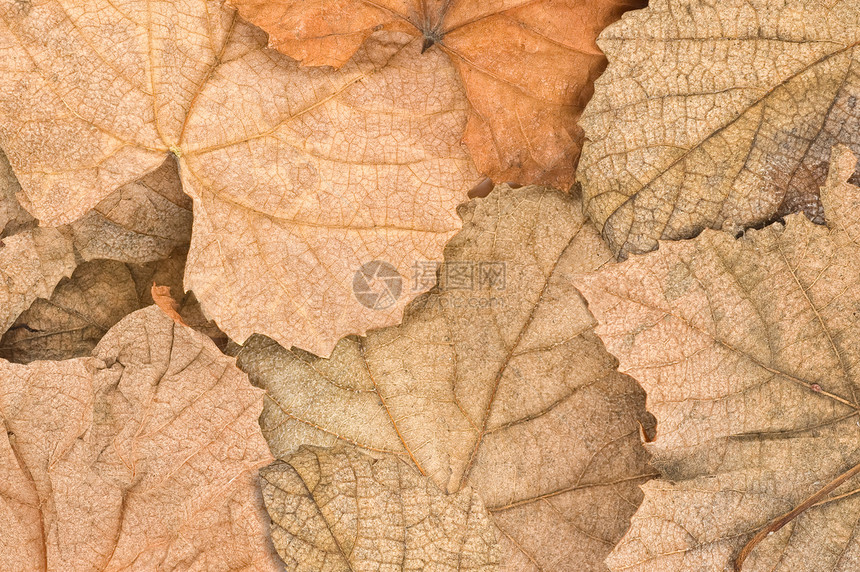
[
  {"x": 84, "y": 307},
  {"x": 142, "y": 457},
  {"x": 714, "y": 114},
  {"x": 298, "y": 176},
  {"x": 13, "y": 218},
  {"x": 141, "y": 222},
  {"x": 339, "y": 510},
  {"x": 31, "y": 264},
  {"x": 528, "y": 66},
  {"x": 749, "y": 351},
  {"x": 70, "y": 322},
  {"x": 494, "y": 380}
]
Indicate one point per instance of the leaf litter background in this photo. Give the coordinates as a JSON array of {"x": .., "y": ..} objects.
[{"x": 165, "y": 153}]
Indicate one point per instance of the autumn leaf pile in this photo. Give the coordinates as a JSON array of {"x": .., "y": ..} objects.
[{"x": 443, "y": 285}]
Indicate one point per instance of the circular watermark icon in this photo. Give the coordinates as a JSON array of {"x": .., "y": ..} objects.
[{"x": 377, "y": 285}]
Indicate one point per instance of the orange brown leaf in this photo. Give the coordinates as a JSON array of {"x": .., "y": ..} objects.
[{"x": 528, "y": 66}]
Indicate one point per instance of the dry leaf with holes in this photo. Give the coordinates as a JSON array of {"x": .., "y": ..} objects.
[
  {"x": 298, "y": 176},
  {"x": 528, "y": 67},
  {"x": 143, "y": 456},
  {"x": 338, "y": 509},
  {"x": 749, "y": 350},
  {"x": 714, "y": 114},
  {"x": 495, "y": 381}
]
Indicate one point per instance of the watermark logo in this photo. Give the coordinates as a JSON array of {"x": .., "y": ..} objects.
[
  {"x": 377, "y": 285},
  {"x": 458, "y": 275}
]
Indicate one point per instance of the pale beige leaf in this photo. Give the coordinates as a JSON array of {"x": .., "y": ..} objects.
[
  {"x": 749, "y": 350},
  {"x": 298, "y": 176},
  {"x": 143, "y": 457},
  {"x": 141, "y": 222},
  {"x": 499, "y": 384},
  {"x": 31, "y": 264},
  {"x": 528, "y": 66},
  {"x": 339, "y": 510},
  {"x": 13, "y": 218},
  {"x": 714, "y": 114}
]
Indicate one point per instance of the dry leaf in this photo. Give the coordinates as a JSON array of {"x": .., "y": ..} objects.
[
  {"x": 495, "y": 381},
  {"x": 76, "y": 315},
  {"x": 141, "y": 222},
  {"x": 298, "y": 176},
  {"x": 714, "y": 114},
  {"x": 142, "y": 457},
  {"x": 83, "y": 308},
  {"x": 528, "y": 66},
  {"x": 13, "y": 218},
  {"x": 168, "y": 304},
  {"x": 31, "y": 264},
  {"x": 749, "y": 350},
  {"x": 338, "y": 510}
]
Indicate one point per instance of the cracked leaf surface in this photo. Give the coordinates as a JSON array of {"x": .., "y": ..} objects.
[
  {"x": 714, "y": 114},
  {"x": 298, "y": 176},
  {"x": 748, "y": 350},
  {"x": 528, "y": 67},
  {"x": 142, "y": 457},
  {"x": 339, "y": 510},
  {"x": 511, "y": 393}
]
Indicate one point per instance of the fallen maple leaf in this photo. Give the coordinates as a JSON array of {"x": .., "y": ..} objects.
[
  {"x": 528, "y": 66},
  {"x": 337, "y": 509},
  {"x": 718, "y": 114},
  {"x": 494, "y": 380},
  {"x": 144, "y": 457},
  {"x": 749, "y": 350},
  {"x": 298, "y": 176}
]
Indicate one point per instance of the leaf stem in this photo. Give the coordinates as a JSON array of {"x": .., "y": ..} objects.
[{"x": 781, "y": 521}]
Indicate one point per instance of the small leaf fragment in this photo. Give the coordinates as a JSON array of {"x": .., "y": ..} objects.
[{"x": 164, "y": 300}]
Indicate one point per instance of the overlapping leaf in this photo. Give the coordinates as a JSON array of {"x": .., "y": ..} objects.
[
  {"x": 32, "y": 262},
  {"x": 298, "y": 176},
  {"x": 494, "y": 380},
  {"x": 528, "y": 67},
  {"x": 749, "y": 350},
  {"x": 141, "y": 222},
  {"x": 13, "y": 218},
  {"x": 714, "y": 114},
  {"x": 142, "y": 457},
  {"x": 340, "y": 510}
]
